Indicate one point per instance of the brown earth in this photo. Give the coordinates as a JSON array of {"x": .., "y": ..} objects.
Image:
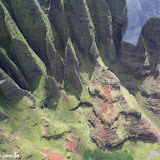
[
  {"x": 52, "y": 156},
  {"x": 73, "y": 144}
]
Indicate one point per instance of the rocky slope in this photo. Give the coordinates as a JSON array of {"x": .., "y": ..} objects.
[{"x": 69, "y": 84}]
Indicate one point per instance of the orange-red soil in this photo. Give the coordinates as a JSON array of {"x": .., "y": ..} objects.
[
  {"x": 73, "y": 146},
  {"x": 52, "y": 156}
]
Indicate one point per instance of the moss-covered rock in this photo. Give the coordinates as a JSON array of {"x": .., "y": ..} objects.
[
  {"x": 56, "y": 62},
  {"x": 9, "y": 88},
  {"x": 36, "y": 28},
  {"x": 71, "y": 72},
  {"x": 53, "y": 86},
  {"x": 28, "y": 61},
  {"x": 94, "y": 52},
  {"x": 31, "y": 21},
  {"x": 12, "y": 70},
  {"x": 59, "y": 20},
  {"x": 82, "y": 28},
  {"x": 118, "y": 11},
  {"x": 4, "y": 34},
  {"x": 102, "y": 21}
]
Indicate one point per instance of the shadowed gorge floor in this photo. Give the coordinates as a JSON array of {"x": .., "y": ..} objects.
[{"x": 71, "y": 88}]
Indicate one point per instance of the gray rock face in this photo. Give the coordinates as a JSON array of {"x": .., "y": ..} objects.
[
  {"x": 142, "y": 60},
  {"x": 3, "y": 114},
  {"x": 151, "y": 36},
  {"x": 134, "y": 60}
]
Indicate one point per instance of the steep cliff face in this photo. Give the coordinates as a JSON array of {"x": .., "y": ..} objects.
[
  {"x": 142, "y": 61},
  {"x": 66, "y": 80}
]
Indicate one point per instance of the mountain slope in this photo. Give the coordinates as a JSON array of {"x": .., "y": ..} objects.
[{"x": 69, "y": 86}]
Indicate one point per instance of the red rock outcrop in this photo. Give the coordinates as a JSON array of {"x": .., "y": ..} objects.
[
  {"x": 112, "y": 119},
  {"x": 73, "y": 144}
]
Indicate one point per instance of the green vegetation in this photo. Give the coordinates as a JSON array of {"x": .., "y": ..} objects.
[
  {"x": 99, "y": 155},
  {"x": 55, "y": 58},
  {"x": 155, "y": 157},
  {"x": 138, "y": 149}
]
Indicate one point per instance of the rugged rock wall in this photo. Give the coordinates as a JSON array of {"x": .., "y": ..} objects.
[
  {"x": 142, "y": 61},
  {"x": 60, "y": 56}
]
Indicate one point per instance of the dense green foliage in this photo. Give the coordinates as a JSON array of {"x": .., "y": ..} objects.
[{"x": 99, "y": 155}]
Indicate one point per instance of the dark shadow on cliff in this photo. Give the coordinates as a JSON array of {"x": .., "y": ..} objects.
[{"x": 136, "y": 63}]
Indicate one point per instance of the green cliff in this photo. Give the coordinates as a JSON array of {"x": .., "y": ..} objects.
[{"x": 70, "y": 88}]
